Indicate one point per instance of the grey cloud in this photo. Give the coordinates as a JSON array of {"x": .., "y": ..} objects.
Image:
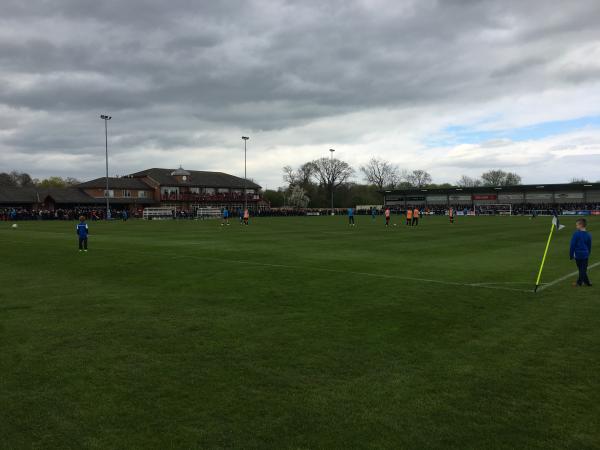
[{"x": 169, "y": 69}]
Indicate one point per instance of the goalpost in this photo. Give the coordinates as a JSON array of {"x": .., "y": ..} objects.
[
  {"x": 501, "y": 209},
  {"x": 506, "y": 209},
  {"x": 157, "y": 213},
  {"x": 208, "y": 213}
]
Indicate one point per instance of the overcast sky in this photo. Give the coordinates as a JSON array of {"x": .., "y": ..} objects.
[{"x": 453, "y": 87}]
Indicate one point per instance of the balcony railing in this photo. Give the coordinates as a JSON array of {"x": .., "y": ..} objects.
[{"x": 223, "y": 197}]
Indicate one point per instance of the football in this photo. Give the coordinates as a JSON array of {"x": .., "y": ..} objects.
[{"x": 14, "y": 225}]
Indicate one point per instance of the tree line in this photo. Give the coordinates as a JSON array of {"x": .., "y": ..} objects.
[
  {"x": 22, "y": 179},
  {"x": 314, "y": 183}
]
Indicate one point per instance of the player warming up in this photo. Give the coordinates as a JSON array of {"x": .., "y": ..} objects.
[
  {"x": 351, "y": 217},
  {"x": 246, "y": 217},
  {"x": 82, "y": 232},
  {"x": 580, "y": 249},
  {"x": 451, "y": 215},
  {"x": 387, "y": 217},
  {"x": 409, "y": 215},
  {"x": 416, "y": 215},
  {"x": 225, "y": 217}
]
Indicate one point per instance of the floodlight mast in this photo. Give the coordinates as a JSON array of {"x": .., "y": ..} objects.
[
  {"x": 331, "y": 150},
  {"x": 245, "y": 138},
  {"x": 106, "y": 118}
]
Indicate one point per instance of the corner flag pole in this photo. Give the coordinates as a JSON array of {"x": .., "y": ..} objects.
[{"x": 539, "y": 277}]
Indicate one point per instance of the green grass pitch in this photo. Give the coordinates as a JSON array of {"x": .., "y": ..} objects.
[{"x": 296, "y": 333}]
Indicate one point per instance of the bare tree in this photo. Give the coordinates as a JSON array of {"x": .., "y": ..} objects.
[
  {"x": 493, "y": 177},
  {"x": 331, "y": 172},
  {"x": 299, "y": 177},
  {"x": 16, "y": 179},
  {"x": 7, "y": 180},
  {"x": 305, "y": 173},
  {"x": 402, "y": 180},
  {"x": 289, "y": 175},
  {"x": 23, "y": 179},
  {"x": 419, "y": 178},
  {"x": 500, "y": 178},
  {"x": 381, "y": 173},
  {"x": 512, "y": 179},
  {"x": 467, "y": 181}
]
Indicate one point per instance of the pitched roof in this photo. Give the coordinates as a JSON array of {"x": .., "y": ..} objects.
[
  {"x": 115, "y": 183},
  {"x": 17, "y": 195},
  {"x": 31, "y": 195},
  {"x": 196, "y": 178},
  {"x": 65, "y": 196},
  {"x": 181, "y": 171}
]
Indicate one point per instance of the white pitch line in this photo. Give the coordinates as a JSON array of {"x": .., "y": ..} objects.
[
  {"x": 487, "y": 283},
  {"x": 565, "y": 277},
  {"x": 349, "y": 272}
]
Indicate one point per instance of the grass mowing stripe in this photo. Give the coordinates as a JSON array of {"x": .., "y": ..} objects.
[
  {"x": 342, "y": 272},
  {"x": 337, "y": 271}
]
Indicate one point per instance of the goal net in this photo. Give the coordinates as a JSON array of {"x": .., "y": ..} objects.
[
  {"x": 499, "y": 209},
  {"x": 208, "y": 213},
  {"x": 157, "y": 213}
]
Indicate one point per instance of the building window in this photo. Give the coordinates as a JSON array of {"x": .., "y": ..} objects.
[
  {"x": 168, "y": 190},
  {"x": 126, "y": 193},
  {"x": 110, "y": 193},
  {"x": 195, "y": 190},
  {"x": 141, "y": 194}
]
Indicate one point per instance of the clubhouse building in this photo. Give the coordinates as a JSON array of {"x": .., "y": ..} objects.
[{"x": 177, "y": 189}]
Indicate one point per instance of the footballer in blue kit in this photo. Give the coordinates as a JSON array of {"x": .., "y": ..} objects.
[
  {"x": 82, "y": 231},
  {"x": 225, "y": 217}
]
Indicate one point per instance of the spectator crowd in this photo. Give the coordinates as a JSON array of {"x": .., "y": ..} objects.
[{"x": 14, "y": 214}]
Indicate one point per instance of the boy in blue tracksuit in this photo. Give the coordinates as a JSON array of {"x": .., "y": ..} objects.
[
  {"x": 351, "y": 216},
  {"x": 82, "y": 233},
  {"x": 581, "y": 247}
]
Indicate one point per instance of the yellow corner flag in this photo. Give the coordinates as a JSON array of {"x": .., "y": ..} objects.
[{"x": 555, "y": 225}]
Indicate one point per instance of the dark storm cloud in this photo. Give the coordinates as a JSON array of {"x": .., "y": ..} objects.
[{"x": 168, "y": 69}]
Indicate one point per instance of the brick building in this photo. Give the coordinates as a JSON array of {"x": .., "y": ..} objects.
[{"x": 178, "y": 189}]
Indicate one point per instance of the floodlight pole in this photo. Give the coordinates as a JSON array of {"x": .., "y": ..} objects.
[
  {"x": 245, "y": 138},
  {"x": 106, "y": 118},
  {"x": 331, "y": 150}
]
